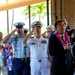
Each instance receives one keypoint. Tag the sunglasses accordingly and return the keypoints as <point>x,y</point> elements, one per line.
<point>49,31</point>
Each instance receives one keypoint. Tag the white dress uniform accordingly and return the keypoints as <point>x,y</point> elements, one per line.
<point>39,57</point>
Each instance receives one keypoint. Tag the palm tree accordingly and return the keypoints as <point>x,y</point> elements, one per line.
<point>25,12</point>
<point>36,10</point>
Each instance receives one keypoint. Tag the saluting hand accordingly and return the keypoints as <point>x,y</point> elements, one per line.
<point>27,36</point>
<point>13,31</point>
<point>44,34</point>
<point>32,30</point>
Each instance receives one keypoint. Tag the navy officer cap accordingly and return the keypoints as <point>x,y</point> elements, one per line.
<point>19,24</point>
<point>37,23</point>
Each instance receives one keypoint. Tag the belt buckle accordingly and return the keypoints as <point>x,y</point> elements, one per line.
<point>39,60</point>
<point>25,59</point>
<point>22,59</point>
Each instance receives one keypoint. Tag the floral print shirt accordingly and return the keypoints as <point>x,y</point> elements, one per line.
<point>8,55</point>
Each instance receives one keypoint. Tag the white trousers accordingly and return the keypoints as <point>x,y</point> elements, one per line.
<point>40,68</point>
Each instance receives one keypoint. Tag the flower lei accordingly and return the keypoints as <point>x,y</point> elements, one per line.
<point>7,51</point>
<point>8,55</point>
<point>66,41</point>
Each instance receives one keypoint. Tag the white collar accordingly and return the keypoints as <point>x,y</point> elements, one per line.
<point>38,38</point>
<point>60,34</point>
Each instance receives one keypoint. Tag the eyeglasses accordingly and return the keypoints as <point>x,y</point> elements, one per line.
<point>49,31</point>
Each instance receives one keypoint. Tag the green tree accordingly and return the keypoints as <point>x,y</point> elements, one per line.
<point>25,12</point>
<point>36,10</point>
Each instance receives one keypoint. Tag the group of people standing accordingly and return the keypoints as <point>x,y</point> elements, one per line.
<point>42,54</point>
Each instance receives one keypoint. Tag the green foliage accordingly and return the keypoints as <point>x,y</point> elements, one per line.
<point>25,12</point>
<point>36,10</point>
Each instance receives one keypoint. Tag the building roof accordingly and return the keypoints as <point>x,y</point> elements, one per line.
<point>10,4</point>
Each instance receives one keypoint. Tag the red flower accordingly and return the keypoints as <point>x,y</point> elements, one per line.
<point>66,41</point>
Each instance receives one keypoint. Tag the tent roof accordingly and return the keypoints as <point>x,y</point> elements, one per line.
<point>10,4</point>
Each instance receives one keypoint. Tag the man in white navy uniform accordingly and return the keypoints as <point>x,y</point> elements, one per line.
<point>21,65</point>
<point>38,49</point>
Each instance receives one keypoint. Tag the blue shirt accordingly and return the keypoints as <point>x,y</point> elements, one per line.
<point>18,46</point>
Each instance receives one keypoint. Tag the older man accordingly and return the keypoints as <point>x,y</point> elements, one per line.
<point>38,49</point>
<point>49,29</point>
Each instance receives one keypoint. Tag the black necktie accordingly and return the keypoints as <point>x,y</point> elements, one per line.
<point>62,37</point>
